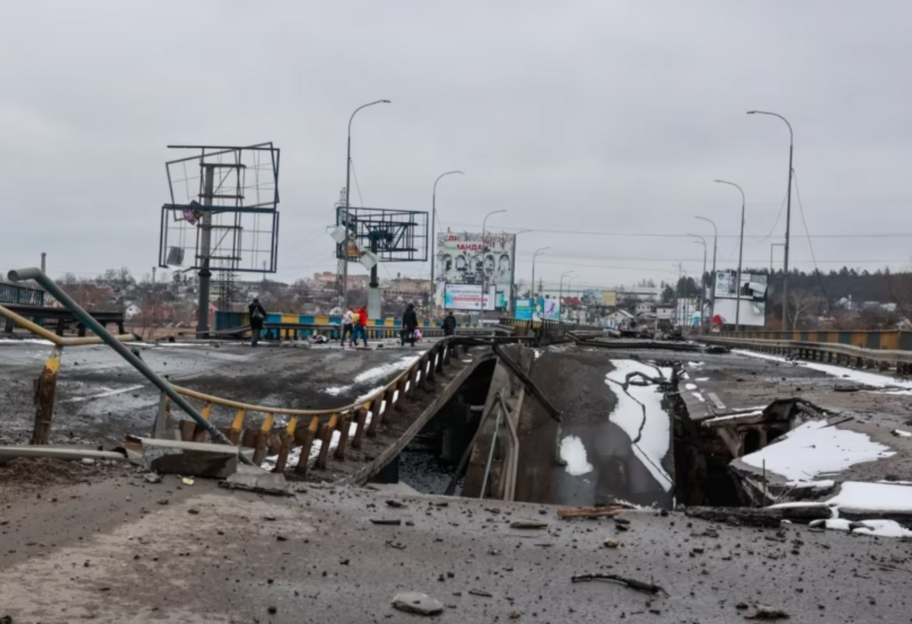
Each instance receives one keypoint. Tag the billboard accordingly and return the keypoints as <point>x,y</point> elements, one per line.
<point>523,309</point>
<point>466,297</point>
<point>609,298</point>
<point>551,309</point>
<point>753,298</point>
<point>463,258</point>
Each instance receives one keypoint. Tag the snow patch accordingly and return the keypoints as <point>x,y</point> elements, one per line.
<point>26,341</point>
<point>698,397</point>
<point>108,392</point>
<point>690,386</point>
<point>878,528</point>
<point>880,497</point>
<point>374,374</point>
<point>860,377</point>
<point>640,414</point>
<point>814,448</point>
<point>902,434</point>
<point>573,453</point>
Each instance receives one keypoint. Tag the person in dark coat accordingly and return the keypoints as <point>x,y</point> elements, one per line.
<point>257,316</point>
<point>449,324</point>
<point>409,323</point>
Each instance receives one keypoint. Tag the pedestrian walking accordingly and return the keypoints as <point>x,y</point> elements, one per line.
<point>257,315</point>
<point>449,324</point>
<point>348,325</point>
<point>409,323</point>
<point>360,326</point>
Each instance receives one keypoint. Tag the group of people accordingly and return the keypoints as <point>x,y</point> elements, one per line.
<point>353,326</point>
<point>354,323</point>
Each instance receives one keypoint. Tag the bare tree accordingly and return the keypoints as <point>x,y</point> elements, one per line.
<point>802,306</point>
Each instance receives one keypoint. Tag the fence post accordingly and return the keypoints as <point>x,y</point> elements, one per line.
<point>344,430</point>
<point>326,435</point>
<point>259,449</point>
<point>361,420</point>
<point>307,440</point>
<point>287,442</point>
<point>45,389</point>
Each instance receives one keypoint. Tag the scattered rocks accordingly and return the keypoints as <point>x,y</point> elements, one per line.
<point>386,521</point>
<point>88,461</point>
<point>396,504</point>
<point>481,592</point>
<point>528,524</point>
<point>152,478</point>
<point>610,543</point>
<point>416,602</point>
<point>763,612</point>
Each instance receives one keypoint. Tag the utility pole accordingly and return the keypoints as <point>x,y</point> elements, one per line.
<point>202,323</point>
<point>434,237</point>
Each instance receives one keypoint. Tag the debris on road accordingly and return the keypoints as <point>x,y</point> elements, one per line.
<point>762,612</point>
<point>528,524</point>
<point>634,584</point>
<point>768,517</point>
<point>152,478</point>
<point>395,503</point>
<point>589,512</point>
<point>256,480</point>
<point>386,521</point>
<point>481,592</point>
<point>416,602</point>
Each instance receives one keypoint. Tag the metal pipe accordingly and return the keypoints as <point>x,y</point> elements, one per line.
<point>740,258</point>
<point>487,472</point>
<point>87,320</point>
<point>788,214</point>
<point>434,236</point>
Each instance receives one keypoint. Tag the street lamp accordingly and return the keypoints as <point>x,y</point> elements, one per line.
<point>712,282</point>
<point>740,257</point>
<point>771,259</point>
<point>348,160</point>
<point>434,235</point>
<point>788,214</point>
<point>510,305</point>
<point>537,253</point>
<point>702,241</point>
<point>484,258</point>
<point>560,295</point>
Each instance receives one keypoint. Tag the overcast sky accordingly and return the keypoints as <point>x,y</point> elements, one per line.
<point>606,119</point>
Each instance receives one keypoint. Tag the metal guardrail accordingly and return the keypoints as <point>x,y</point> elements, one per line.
<point>837,353</point>
<point>14,293</point>
<point>322,425</point>
<point>872,339</point>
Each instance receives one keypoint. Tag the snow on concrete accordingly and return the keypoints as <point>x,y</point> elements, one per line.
<point>696,364</point>
<point>824,484</point>
<point>878,528</point>
<point>736,416</point>
<point>372,374</point>
<point>814,448</point>
<point>877,497</point>
<point>13,341</point>
<point>860,377</point>
<point>106,392</point>
<point>573,453</point>
<point>640,414</point>
<point>690,386</point>
<point>902,434</point>
<point>698,396</point>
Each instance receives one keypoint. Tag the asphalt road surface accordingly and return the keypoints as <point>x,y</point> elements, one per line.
<point>117,549</point>
<point>101,397</point>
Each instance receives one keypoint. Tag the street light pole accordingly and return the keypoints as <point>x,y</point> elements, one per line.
<point>510,305</point>
<point>788,214</point>
<point>771,257</point>
<point>348,160</point>
<point>434,236</point>
<point>484,258</point>
<point>537,253</point>
<point>702,241</point>
<point>740,257</point>
<point>712,281</point>
<point>560,296</point>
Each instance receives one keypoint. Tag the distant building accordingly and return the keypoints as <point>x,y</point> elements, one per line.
<point>619,319</point>
<point>644,307</point>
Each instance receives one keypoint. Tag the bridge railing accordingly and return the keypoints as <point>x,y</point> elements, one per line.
<point>837,353</point>
<point>877,339</point>
<point>351,422</point>
<point>16,293</point>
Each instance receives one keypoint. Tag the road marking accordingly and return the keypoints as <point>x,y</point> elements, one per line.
<point>715,399</point>
<point>102,394</point>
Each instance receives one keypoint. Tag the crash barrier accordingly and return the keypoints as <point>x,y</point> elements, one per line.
<point>300,429</point>
<point>300,326</point>
<point>353,421</point>
<point>60,318</point>
<point>16,293</point>
<point>880,339</point>
<point>835,353</point>
<point>45,387</point>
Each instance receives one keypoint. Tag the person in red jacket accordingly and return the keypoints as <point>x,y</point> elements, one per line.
<point>360,326</point>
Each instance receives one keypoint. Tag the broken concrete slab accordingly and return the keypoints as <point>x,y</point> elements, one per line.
<point>198,459</point>
<point>416,602</point>
<point>253,479</point>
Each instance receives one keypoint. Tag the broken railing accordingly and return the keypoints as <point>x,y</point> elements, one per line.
<point>45,386</point>
<point>363,417</point>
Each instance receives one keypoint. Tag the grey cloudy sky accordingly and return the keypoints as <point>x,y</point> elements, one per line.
<point>596,117</point>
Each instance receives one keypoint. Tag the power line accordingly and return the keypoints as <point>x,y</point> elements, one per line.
<point>674,235</point>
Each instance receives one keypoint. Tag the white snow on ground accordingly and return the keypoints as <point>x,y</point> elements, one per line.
<point>690,386</point>
<point>861,377</point>
<point>813,448</point>
<point>640,414</point>
<point>702,379</point>
<point>748,414</point>
<point>107,392</point>
<point>377,372</point>
<point>573,453</point>
<point>874,496</point>
<point>696,364</point>
<point>699,397</point>
<point>12,341</point>
<point>825,484</point>
<point>902,434</point>
<point>879,528</point>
